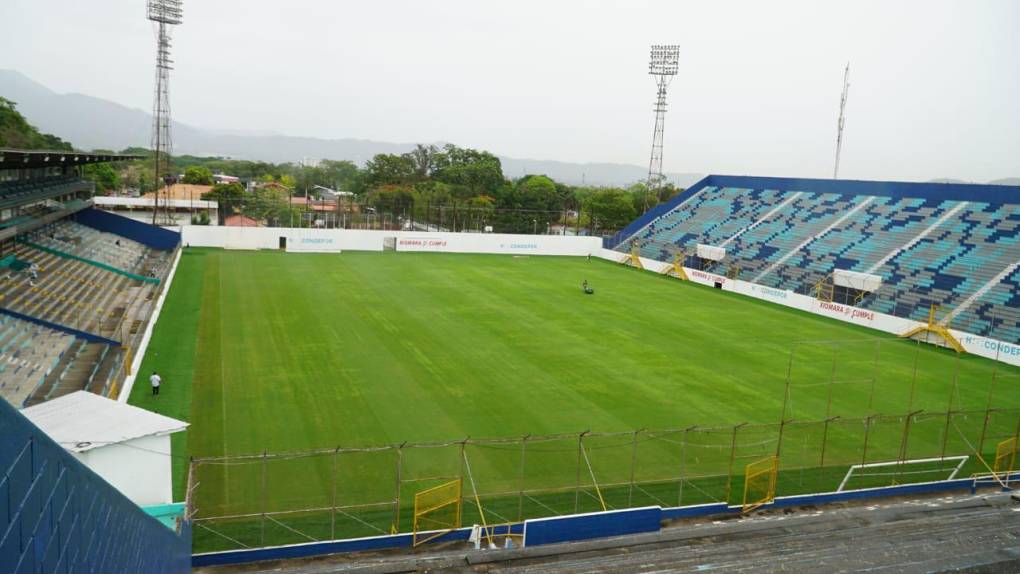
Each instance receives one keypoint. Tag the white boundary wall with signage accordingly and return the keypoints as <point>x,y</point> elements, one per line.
<point>335,240</point>
<point>981,346</point>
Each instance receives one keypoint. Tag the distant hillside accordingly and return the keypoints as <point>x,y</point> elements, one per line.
<point>1006,181</point>
<point>16,132</point>
<point>94,123</point>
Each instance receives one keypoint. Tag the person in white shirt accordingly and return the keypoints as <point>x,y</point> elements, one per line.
<point>155,380</point>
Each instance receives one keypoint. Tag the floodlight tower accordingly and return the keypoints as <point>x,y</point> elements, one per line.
<point>163,13</point>
<point>663,64</point>
<point>842,119</point>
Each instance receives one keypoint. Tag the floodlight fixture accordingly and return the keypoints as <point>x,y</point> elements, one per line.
<point>165,11</point>
<point>664,60</point>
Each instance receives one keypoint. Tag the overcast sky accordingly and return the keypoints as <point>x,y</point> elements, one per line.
<point>935,85</point>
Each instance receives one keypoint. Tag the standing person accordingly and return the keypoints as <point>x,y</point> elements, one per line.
<point>155,380</point>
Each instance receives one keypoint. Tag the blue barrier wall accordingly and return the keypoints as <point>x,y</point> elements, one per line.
<point>56,515</point>
<point>150,235</point>
<point>90,337</point>
<point>594,525</point>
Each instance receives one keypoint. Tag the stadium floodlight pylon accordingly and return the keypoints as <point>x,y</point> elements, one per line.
<point>164,14</point>
<point>634,257</point>
<point>937,329</point>
<point>663,63</point>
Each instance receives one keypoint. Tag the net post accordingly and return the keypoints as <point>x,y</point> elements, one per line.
<point>633,463</point>
<point>332,509</point>
<point>189,493</point>
<point>400,470</point>
<point>520,488</point>
<point>867,433</point>
<point>577,481</point>
<point>733,454</point>
<point>262,522</point>
<point>984,429</point>
<point>904,439</point>
<point>874,376</point>
<point>789,375</point>
<point>463,457</point>
<point>832,378</point>
<point>683,466</point>
<point>913,378</point>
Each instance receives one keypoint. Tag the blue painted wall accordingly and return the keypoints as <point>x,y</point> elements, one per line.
<point>56,515</point>
<point>150,235</point>
<point>90,337</point>
<point>588,526</point>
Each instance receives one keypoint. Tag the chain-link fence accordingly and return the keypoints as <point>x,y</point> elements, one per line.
<point>279,498</point>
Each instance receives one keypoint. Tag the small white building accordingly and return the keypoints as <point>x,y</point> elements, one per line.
<point>126,445</point>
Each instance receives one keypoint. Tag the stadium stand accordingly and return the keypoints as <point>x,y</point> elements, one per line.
<point>74,294</point>
<point>952,245</point>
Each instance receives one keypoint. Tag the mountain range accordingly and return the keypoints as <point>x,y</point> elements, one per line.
<point>94,123</point>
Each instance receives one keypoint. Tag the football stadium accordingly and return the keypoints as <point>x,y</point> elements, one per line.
<point>420,362</point>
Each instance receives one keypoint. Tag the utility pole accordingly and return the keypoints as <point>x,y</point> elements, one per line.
<point>842,119</point>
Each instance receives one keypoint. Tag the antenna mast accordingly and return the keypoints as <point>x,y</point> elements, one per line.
<point>842,119</point>
<point>164,13</point>
<point>662,63</point>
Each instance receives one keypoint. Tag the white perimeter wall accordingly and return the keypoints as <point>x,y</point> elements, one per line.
<point>139,468</point>
<point>325,240</point>
<point>981,346</point>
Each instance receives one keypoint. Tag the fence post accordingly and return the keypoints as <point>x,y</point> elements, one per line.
<point>633,463</point>
<point>520,492</point>
<point>396,511</point>
<point>913,379</point>
<point>867,433</point>
<point>460,502</point>
<point>903,444</point>
<point>832,378</point>
<point>984,429</point>
<point>733,454</point>
<point>577,482</point>
<point>332,510</point>
<point>874,376</point>
<point>825,440</point>
<point>683,465</point>
<point>262,529</point>
<point>786,391</point>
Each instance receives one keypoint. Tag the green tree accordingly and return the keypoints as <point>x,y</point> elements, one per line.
<point>611,208</point>
<point>468,172</point>
<point>198,175</point>
<point>389,169</point>
<point>229,196</point>
<point>103,175</point>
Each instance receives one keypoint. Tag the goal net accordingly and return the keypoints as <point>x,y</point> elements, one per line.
<point>891,473</point>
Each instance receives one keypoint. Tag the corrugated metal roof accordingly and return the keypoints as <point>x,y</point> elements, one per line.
<point>82,421</point>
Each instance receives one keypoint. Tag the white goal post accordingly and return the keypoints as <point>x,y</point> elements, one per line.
<point>953,471</point>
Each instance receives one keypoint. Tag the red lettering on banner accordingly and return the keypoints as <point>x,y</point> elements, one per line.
<point>708,277</point>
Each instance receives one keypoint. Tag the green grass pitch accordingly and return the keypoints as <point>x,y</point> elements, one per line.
<point>273,352</point>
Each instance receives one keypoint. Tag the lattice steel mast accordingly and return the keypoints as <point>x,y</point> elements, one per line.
<point>663,63</point>
<point>842,119</point>
<point>164,13</point>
